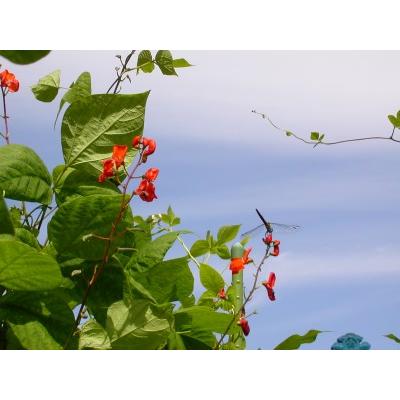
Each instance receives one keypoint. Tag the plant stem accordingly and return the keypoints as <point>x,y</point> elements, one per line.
<point>124,70</point>
<point>5,116</point>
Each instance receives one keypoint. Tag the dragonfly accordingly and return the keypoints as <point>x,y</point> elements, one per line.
<point>270,227</point>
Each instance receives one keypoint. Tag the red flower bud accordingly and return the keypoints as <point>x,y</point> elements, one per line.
<point>244,325</point>
<point>222,294</point>
<point>246,259</point>
<point>146,191</point>
<point>7,79</point>
<point>151,174</point>
<point>119,153</point>
<point>136,141</point>
<point>150,146</point>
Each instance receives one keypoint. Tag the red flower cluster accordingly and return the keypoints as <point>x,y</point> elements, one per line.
<point>7,79</point>
<point>275,251</point>
<point>237,264</point>
<point>244,324</point>
<point>269,285</point>
<point>148,146</point>
<point>111,165</point>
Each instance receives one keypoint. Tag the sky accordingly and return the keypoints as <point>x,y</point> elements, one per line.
<point>218,161</point>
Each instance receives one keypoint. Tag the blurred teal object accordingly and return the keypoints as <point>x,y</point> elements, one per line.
<point>350,341</point>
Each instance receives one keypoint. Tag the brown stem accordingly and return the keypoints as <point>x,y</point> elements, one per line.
<point>106,253</point>
<point>5,116</point>
<point>120,75</point>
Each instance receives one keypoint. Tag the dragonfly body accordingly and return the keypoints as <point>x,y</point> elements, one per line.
<point>270,226</point>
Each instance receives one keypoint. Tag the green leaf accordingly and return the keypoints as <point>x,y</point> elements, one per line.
<point>223,252</point>
<point>211,279</point>
<point>6,225</point>
<point>78,225</point>
<point>165,62</point>
<point>47,88</point>
<point>199,248</point>
<point>93,125</point>
<point>24,268</point>
<point>198,339</point>
<point>93,336</point>
<point>314,135</point>
<point>394,121</point>
<point>203,318</point>
<point>151,253</point>
<point>295,341</point>
<point>227,233</point>
<point>79,89</point>
<point>76,184</point>
<point>27,237</point>
<point>393,337</point>
<point>289,133</point>
<point>398,115</point>
<point>24,56</point>
<point>321,137</point>
<point>23,176</point>
<point>145,62</point>
<point>40,321</point>
<point>168,281</point>
<point>181,63</point>
<point>142,326</point>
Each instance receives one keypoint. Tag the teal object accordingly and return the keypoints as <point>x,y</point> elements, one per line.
<point>350,341</point>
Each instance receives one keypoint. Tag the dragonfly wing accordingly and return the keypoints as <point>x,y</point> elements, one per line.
<point>285,227</point>
<point>253,231</point>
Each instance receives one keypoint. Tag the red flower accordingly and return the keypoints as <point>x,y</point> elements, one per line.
<point>151,174</point>
<point>146,190</point>
<point>7,79</point>
<point>244,325</point>
<point>222,294</point>
<point>108,169</point>
<point>150,146</point>
<point>118,155</point>
<point>275,252</point>
<point>268,239</point>
<point>237,264</point>
<point>269,285</point>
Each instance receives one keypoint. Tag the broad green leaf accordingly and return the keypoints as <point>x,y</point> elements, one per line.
<point>141,325</point>
<point>27,237</point>
<point>24,268</point>
<point>394,121</point>
<point>393,337</point>
<point>223,252</point>
<point>152,253</point>
<point>6,225</point>
<point>165,62</point>
<point>40,321</point>
<point>203,318</point>
<point>24,56</point>
<point>227,233</point>
<point>78,226</point>
<point>75,184</point>
<point>398,115</point>
<point>314,135</point>
<point>199,248</point>
<point>93,336</point>
<point>47,88</point>
<point>175,342</point>
<point>295,341</point>
<point>211,279</point>
<point>207,299</point>
<point>145,62</point>
<point>198,339</point>
<point>181,63</point>
<point>79,89</point>
<point>168,281</point>
<point>93,125</point>
<point>23,176</point>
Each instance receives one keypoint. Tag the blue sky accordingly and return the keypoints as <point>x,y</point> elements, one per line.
<point>218,161</point>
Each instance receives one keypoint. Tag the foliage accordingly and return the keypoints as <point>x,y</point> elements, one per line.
<point>295,341</point>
